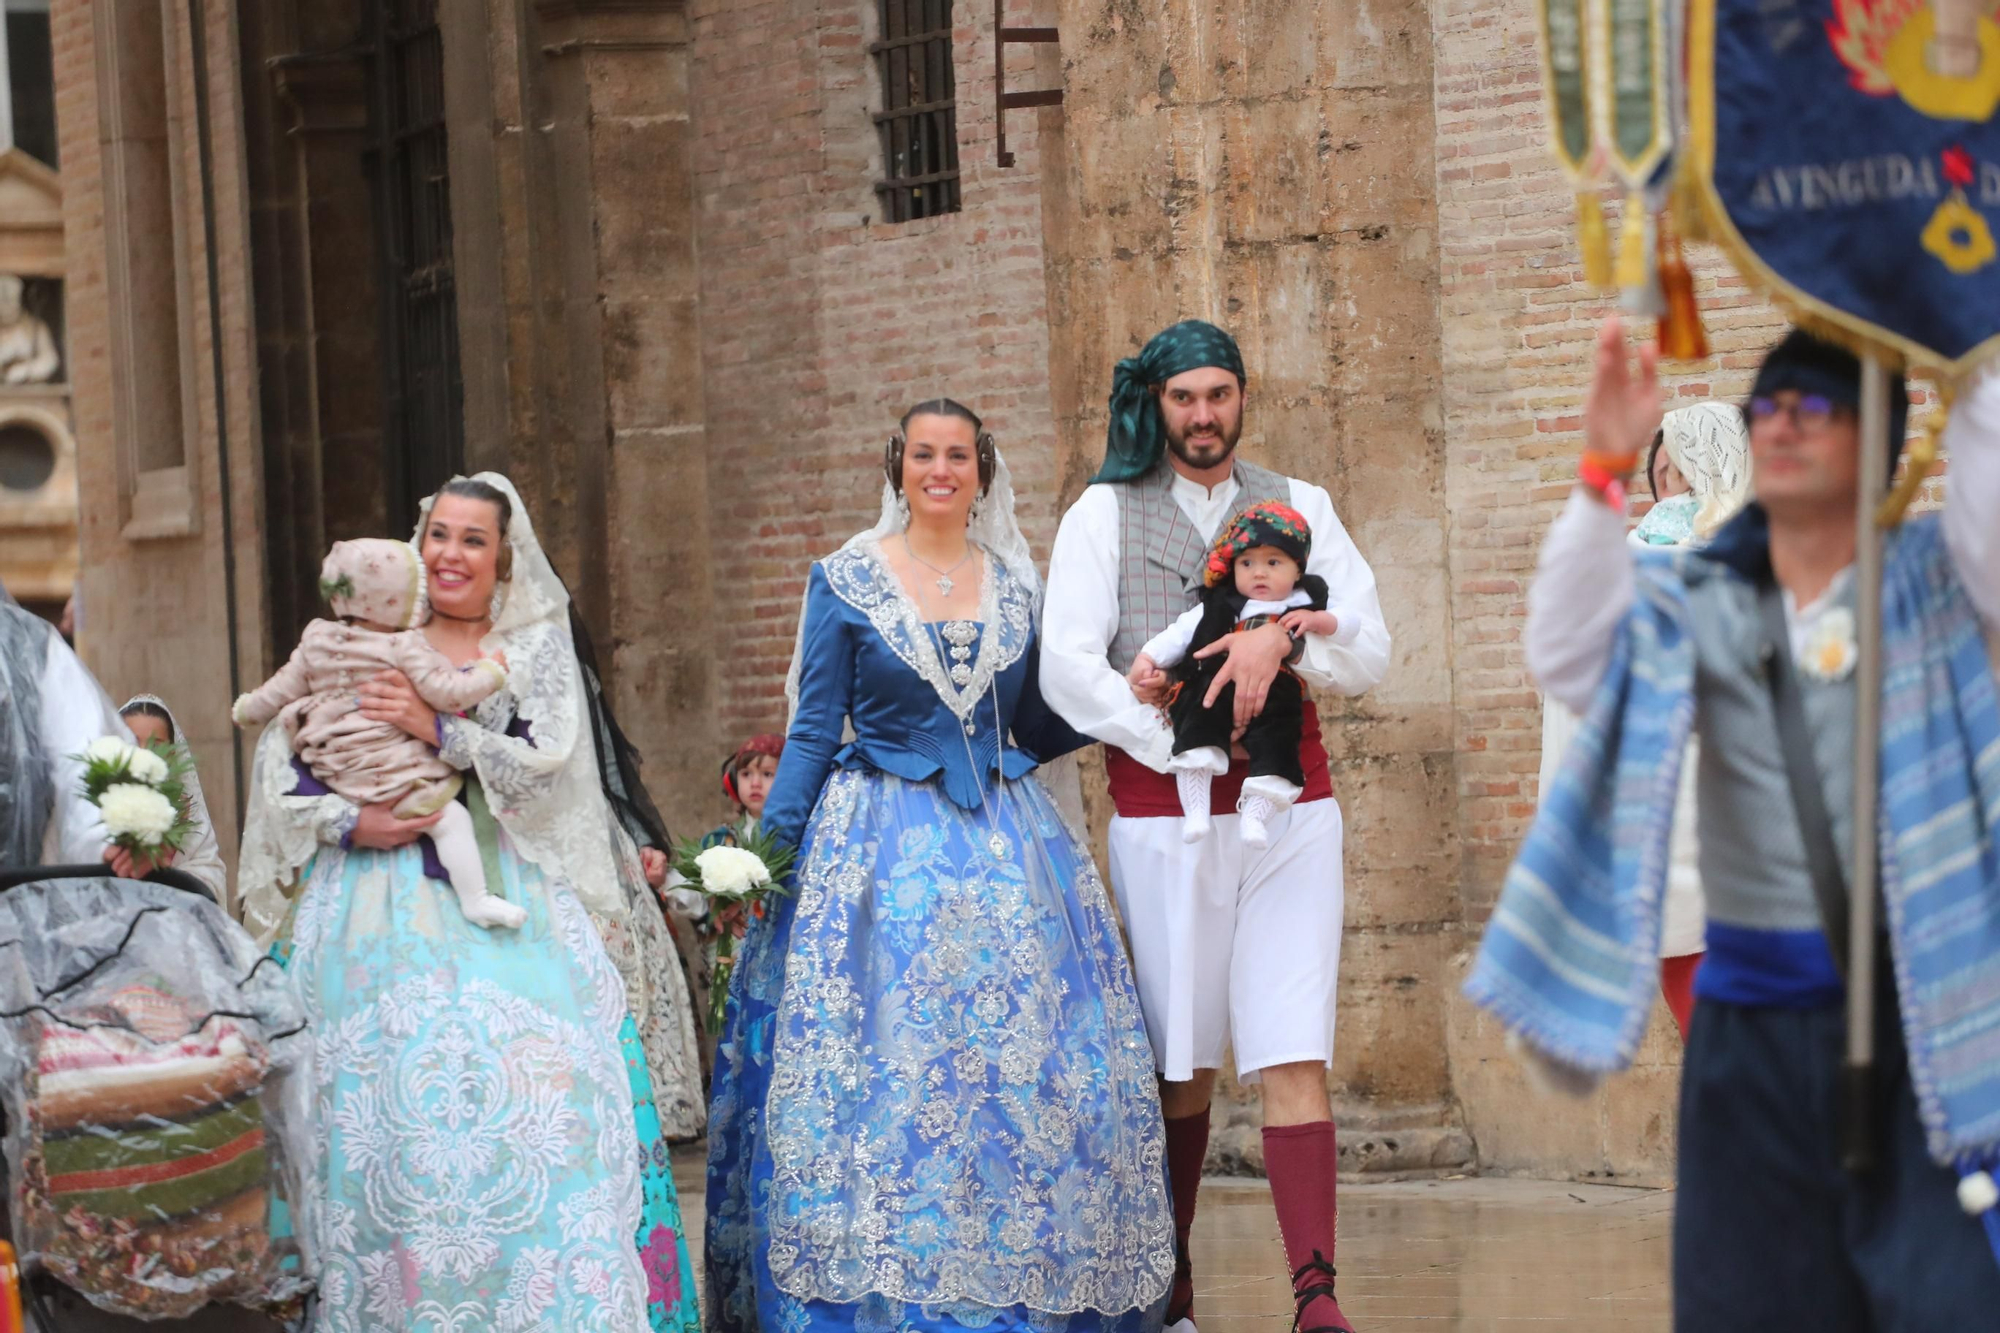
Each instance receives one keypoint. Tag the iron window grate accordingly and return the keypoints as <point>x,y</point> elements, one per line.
<point>918,122</point>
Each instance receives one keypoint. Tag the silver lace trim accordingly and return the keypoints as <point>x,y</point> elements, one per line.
<point>861,577</point>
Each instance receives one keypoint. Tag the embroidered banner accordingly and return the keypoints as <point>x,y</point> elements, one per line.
<point>1608,89</point>
<point>1637,71</point>
<point>1850,162</point>
<point>1565,59</point>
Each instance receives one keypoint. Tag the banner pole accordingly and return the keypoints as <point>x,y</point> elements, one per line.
<point>1859,1137</point>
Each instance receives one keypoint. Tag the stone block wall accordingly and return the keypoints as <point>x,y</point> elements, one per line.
<point>1269,167</point>
<point>621,161</point>
<point>155,605</point>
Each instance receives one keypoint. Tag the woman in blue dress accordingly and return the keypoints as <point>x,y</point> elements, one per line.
<point>488,1149</point>
<point>934,1105</point>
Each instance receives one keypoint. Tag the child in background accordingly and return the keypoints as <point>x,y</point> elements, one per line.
<point>152,723</point>
<point>746,780</point>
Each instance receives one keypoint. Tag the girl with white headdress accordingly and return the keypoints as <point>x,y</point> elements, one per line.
<point>152,721</point>
<point>489,1151</point>
<point>1708,446</point>
<point>934,1099</point>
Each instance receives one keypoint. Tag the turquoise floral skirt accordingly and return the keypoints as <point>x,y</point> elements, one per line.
<point>487,1154</point>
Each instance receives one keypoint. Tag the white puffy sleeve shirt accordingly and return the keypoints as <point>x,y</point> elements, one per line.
<point>75,712</point>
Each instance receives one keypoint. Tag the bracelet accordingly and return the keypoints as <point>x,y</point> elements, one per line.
<point>1604,481</point>
<point>1618,465</point>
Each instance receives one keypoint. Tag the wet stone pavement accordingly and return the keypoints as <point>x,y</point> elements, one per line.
<point>1451,1256</point>
<point>1438,1256</point>
<point>1442,1256</point>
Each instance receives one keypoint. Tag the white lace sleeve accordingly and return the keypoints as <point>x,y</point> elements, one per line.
<point>517,770</point>
<point>282,832</point>
<point>544,787</point>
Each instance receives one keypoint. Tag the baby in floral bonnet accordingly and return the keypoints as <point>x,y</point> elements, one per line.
<point>379,591</point>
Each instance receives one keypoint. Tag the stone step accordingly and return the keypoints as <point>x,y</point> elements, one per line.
<point>1377,1152</point>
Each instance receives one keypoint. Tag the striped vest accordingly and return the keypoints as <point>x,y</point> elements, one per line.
<point>1160,554</point>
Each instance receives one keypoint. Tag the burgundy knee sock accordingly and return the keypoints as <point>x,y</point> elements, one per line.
<point>1187,1150</point>
<point>1303,1163</point>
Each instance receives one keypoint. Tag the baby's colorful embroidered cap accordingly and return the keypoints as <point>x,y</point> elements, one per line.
<point>1266,524</point>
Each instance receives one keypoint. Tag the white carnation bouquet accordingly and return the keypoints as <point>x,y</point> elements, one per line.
<point>744,874</point>
<point>140,792</point>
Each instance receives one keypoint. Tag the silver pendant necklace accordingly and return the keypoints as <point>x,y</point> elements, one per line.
<point>944,582</point>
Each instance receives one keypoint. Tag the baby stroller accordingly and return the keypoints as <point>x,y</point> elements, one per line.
<point>152,1066</point>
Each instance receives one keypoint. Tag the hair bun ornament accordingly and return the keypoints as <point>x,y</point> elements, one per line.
<point>892,462</point>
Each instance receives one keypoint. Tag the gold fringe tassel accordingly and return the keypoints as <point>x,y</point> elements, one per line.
<point>1681,335</point>
<point>1632,272</point>
<point>1685,202</point>
<point>1593,239</point>
<point>1918,460</point>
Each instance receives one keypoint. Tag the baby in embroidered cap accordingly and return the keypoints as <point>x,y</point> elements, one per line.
<point>1255,574</point>
<point>378,589</point>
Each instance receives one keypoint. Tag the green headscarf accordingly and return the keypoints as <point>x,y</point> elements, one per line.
<point>1136,439</point>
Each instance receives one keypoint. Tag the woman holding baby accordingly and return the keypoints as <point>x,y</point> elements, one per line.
<point>490,1149</point>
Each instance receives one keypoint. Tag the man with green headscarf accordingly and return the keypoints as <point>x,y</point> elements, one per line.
<point>1232,947</point>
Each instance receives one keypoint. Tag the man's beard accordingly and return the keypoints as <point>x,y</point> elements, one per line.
<point>1214,449</point>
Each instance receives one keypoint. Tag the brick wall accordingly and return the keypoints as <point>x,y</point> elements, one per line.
<point>1517,325</point>
<point>1518,322</point>
<point>820,324</point>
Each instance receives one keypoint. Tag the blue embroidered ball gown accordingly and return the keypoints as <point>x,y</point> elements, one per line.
<point>934,1100</point>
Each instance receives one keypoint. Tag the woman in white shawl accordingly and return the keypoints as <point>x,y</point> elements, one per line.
<point>489,1153</point>
<point>152,721</point>
<point>1710,447</point>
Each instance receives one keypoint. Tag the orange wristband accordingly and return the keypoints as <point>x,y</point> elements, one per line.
<point>1618,465</point>
<point>1603,481</point>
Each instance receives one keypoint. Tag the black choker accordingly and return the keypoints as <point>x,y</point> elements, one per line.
<point>463,620</point>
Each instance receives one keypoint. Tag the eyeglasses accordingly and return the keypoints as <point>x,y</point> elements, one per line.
<point>1811,412</point>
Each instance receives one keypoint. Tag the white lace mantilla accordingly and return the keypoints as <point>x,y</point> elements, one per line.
<point>545,792</point>
<point>861,577</point>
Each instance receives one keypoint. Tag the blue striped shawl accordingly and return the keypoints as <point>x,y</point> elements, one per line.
<point>1569,958</point>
